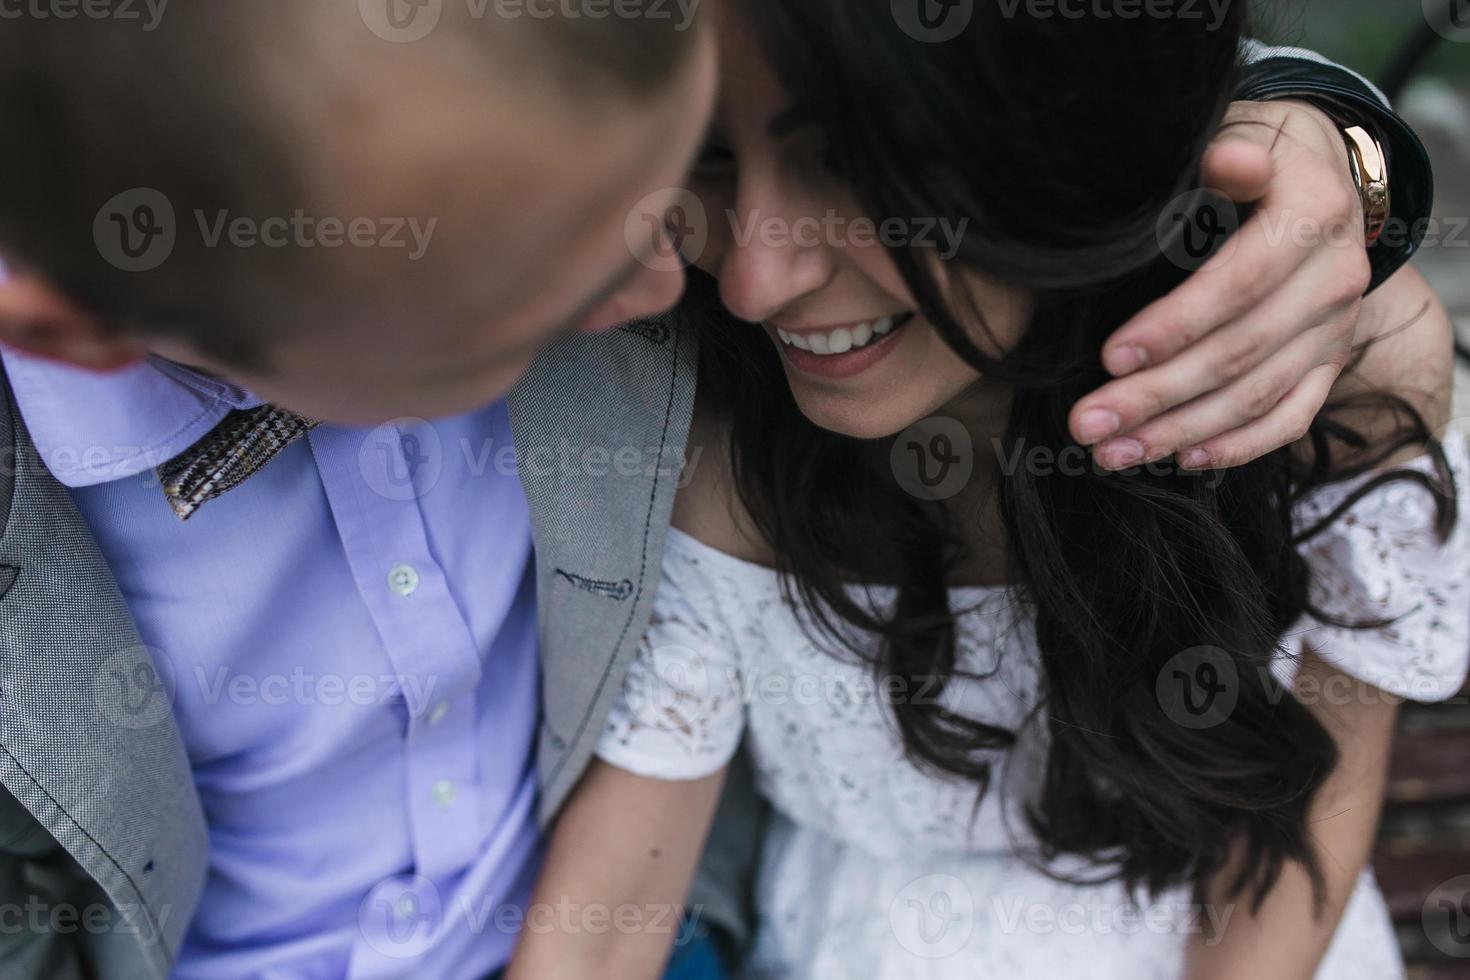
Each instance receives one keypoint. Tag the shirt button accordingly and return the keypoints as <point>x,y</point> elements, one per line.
<point>438,712</point>
<point>403,579</point>
<point>443,793</point>
<point>406,907</point>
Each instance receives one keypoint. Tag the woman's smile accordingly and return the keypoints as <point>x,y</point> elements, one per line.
<point>840,351</point>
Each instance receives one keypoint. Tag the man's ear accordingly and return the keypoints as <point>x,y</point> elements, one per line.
<point>38,320</point>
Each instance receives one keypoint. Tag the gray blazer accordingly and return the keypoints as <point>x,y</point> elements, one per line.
<point>103,849</point>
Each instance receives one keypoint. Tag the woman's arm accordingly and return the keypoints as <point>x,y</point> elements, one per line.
<point>610,898</point>
<point>626,847</point>
<point>1283,940</point>
<point>1412,357</point>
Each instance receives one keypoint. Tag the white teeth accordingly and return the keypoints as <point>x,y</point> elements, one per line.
<point>840,340</point>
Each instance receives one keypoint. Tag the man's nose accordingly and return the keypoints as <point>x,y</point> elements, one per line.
<point>651,292</point>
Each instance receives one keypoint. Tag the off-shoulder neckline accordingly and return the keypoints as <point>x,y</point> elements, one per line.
<point>1456,446</point>
<point>693,547</point>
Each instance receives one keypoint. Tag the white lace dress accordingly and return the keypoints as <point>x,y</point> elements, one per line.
<point>876,870</point>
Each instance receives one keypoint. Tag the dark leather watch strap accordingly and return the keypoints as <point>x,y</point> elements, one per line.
<point>1347,99</point>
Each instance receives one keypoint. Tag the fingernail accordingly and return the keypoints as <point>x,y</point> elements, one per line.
<point>1097,424</point>
<point>1194,459</point>
<point>1125,359</point>
<point>1121,453</point>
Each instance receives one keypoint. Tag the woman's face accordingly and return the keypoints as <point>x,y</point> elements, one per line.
<point>793,253</point>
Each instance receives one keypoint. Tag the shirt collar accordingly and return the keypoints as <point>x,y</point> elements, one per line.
<point>92,428</point>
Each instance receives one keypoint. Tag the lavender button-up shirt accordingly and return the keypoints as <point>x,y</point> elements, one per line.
<point>350,639</point>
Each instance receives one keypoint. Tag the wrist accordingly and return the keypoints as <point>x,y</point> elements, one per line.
<point>1276,75</point>
<point>1361,150</point>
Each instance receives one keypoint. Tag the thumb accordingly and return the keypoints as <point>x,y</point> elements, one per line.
<point>1239,168</point>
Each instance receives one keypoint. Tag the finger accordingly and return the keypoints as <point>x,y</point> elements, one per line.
<point>1283,426</point>
<point>1224,356</point>
<point>1238,167</point>
<point>1253,265</point>
<point>1308,199</point>
<point>1237,405</point>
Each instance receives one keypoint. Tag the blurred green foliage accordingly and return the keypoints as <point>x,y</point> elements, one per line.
<point>1361,33</point>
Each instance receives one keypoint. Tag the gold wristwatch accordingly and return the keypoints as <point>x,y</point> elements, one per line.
<point>1370,171</point>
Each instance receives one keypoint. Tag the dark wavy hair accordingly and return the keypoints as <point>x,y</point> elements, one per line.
<point>1061,140</point>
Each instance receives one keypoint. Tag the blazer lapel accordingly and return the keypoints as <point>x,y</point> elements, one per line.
<point>88,741</point>
<point>600,425</point>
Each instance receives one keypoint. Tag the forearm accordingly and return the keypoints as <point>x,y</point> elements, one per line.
<point>609,899</point>
<point>1287,937</point>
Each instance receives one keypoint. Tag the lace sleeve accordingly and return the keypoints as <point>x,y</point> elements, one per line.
<point>680,715</point>
<point>1382,560</point>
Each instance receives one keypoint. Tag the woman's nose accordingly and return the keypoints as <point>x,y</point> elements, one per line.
<point>772,255</point>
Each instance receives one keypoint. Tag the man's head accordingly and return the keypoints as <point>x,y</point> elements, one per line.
<point>353,227</point>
